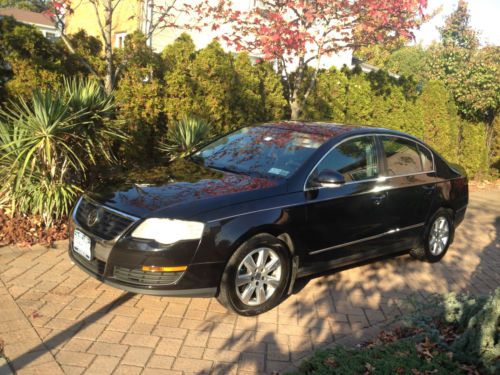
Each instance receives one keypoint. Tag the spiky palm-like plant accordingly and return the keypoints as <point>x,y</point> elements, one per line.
<point>47,145</point>
<point>185,136</point>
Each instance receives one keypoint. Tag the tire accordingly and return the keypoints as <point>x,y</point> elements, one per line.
<point>261,288</point>
<point>437,237</point>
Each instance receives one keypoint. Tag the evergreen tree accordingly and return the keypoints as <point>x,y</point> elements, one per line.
<point>180,84</point>
<point>272,95</point>
<point>359,99</point>
<point>139,96</point>
<point>248,107</point>
<point>440,129</point>
<point>215,76</point>
<point>328,100</point>
<point>473,154</point>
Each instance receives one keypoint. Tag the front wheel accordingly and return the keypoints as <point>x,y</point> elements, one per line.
<point>437,238</point>
<point>256,276</point>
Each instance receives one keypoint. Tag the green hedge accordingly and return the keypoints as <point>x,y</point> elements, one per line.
<point>230,90</point>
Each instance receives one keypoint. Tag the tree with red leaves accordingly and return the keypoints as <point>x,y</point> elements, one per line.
<point>161,17</point>
<point>297,34</point>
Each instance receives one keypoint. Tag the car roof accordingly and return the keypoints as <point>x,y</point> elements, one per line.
<point>333,130</point>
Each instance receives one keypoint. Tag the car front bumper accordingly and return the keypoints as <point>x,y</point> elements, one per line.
<point>119,263</point>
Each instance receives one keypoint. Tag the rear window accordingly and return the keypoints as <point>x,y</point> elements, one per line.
<point>405,157</point>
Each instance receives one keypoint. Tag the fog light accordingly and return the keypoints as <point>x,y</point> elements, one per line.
<point>164,269</point>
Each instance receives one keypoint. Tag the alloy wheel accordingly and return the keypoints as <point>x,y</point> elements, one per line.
<point>258,276</point>
<point>439,235</point>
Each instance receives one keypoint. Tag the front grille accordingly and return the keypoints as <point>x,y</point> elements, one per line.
<point>139,277</point>
<point>108,226</point>
<point>94,265</point>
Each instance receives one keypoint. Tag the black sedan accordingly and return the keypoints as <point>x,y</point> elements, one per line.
<point>249,213</point>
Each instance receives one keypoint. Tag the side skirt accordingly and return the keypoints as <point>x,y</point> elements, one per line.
<point>357,258</point>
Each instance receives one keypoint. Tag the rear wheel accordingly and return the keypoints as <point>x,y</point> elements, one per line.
<point>437,237</point>
<point>256,276</point>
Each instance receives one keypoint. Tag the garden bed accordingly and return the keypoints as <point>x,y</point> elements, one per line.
<point>29,230</point>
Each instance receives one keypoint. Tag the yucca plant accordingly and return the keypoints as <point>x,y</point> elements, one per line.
<point>47,145</point>
<point>36,154</point>
<point>96,129</point>
<point>185,136</point>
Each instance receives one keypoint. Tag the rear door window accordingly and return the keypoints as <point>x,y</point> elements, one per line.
<point>403,156</point>
<point>426,157</point>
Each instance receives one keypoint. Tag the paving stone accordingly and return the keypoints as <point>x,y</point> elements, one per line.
<point>66,357</point>
<point>78,345</point>
<point>105,348</point>
<point>137,356</point>
<point>113,337</point>
<point>169,347</point>
<point>140,340</point>
<point>172,332</point>
<point>121,323</point>
<point>103,365</point>
<point>127,370</point>
<point>161,361</point>
<point>192,365</point>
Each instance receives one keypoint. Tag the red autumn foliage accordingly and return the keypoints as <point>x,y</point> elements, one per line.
<point>296,33</point>
<point>28,230</point>
<point>289,29</point>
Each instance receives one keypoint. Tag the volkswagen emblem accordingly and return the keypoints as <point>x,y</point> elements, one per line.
<point>93,217</point>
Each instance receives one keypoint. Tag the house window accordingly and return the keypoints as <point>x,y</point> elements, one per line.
<point>50,36</point>
<point>120,40</point>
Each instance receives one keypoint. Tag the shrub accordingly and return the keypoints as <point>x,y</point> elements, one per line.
<point>140,98</point>
<point>440,120</point>
<point>259,92</point>
<point>445,335</point>
<point>480,320</point>
<point>215,76</point>
<point>43,155</point>
<point>185,136</point>
<point>34,60</point>
<point>473,153</point>
<point>328,100</point>
<point>180,84</point>
<point>359,100</point>
<point>400,357</point>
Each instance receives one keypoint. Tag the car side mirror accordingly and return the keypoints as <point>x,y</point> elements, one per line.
<point>328,178</point>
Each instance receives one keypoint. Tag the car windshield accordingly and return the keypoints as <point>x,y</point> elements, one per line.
<point>263,151</point>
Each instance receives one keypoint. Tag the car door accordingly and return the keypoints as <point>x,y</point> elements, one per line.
<point>344,222</point>
<point>410,185</point>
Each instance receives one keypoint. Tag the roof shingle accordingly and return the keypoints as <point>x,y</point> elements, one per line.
<point>27,16</point>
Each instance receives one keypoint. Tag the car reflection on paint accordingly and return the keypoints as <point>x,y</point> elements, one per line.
<point>251,212</point>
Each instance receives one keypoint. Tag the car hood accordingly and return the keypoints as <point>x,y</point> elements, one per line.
<point>178,187</point>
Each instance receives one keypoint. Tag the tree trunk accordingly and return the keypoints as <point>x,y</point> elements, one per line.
<point>296,110</point>
<point>109,80</point>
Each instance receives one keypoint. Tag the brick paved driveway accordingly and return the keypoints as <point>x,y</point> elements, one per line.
<point>55,319</point>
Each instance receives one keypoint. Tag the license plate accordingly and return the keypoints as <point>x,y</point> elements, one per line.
<point>82,244</point>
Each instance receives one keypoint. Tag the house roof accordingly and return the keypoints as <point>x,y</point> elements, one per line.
<point>27,16</point>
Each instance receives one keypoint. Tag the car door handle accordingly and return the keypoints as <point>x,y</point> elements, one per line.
<point>378,199</point>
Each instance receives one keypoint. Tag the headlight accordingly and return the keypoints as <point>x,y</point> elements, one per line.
<point>168,231</point>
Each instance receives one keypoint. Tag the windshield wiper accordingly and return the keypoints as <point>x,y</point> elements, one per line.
<point>197,159</point>
<point>224,169</point>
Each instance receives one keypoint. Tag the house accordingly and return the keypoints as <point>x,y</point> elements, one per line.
<point>367,68</point>
<point>46,26</point>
